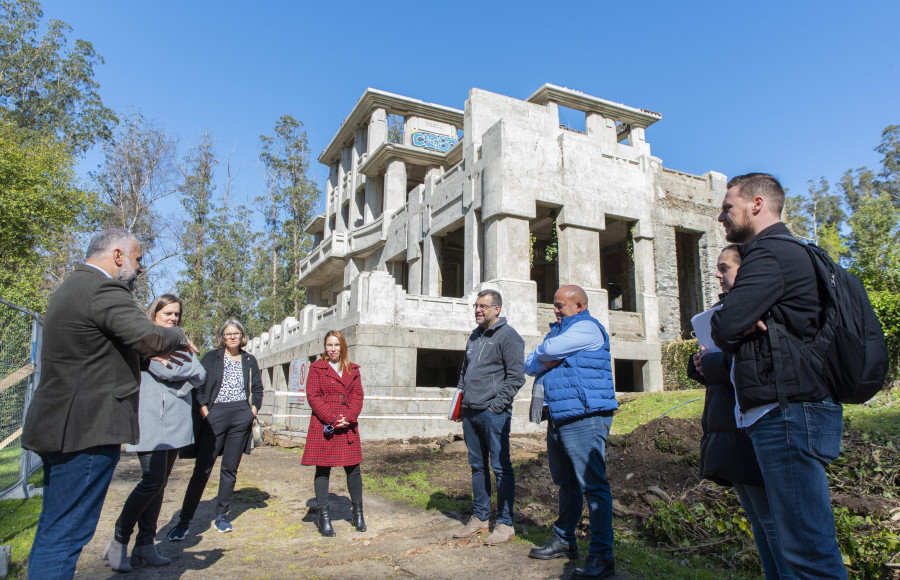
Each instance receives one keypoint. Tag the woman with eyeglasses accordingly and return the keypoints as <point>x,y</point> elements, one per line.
<point>335,395</point>
<point>164,417</point>
<point>227,401</point>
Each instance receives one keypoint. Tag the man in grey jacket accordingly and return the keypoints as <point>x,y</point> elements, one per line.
<point>491,376</point>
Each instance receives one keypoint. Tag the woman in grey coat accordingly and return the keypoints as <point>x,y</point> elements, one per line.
<point>166,426</point>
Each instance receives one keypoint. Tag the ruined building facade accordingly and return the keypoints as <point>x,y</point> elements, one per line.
<point>426,205</point>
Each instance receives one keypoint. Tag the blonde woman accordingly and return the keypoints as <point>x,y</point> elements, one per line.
<point>164,416</point>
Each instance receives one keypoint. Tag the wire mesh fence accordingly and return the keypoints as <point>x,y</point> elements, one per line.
<point>19,340</point>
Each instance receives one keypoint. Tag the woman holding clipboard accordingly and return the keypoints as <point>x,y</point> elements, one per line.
<point>727,456</point>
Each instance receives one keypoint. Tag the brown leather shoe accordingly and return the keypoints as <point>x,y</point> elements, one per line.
<point>502,533</point>
<point>475,526</point>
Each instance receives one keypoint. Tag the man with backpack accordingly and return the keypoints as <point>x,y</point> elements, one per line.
<point>768,321</point>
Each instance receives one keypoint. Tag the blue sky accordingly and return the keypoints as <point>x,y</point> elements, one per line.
<point>800,89</point>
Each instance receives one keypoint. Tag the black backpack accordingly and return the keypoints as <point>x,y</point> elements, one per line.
<point>849,351</point>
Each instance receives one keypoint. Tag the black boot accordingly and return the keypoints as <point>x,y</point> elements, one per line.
<point>324,522</point>
<point>358,521</point>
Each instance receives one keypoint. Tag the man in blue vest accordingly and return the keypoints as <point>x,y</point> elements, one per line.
<point>574,368</point>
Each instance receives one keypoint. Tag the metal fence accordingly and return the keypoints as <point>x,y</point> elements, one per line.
<point>19,344</point>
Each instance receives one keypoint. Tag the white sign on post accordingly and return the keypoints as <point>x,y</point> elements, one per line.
<point>297,381</point>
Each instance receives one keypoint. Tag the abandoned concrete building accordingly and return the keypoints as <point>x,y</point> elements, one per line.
<point>426,205</point>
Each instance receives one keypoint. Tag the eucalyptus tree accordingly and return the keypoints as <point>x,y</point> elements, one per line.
<point>287,207</point>
<point>138,171</point>
<point>46,82</point>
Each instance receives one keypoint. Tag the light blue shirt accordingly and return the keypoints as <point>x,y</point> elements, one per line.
<point>105,273</point>
<point>753,415</point>
<point>582,335</point>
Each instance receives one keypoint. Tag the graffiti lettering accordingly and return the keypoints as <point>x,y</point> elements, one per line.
<point>442,143</point>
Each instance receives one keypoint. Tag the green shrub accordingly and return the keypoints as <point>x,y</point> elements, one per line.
<point>887,308</point>
<point>866,545</point>
<point>676,359</point>
<point>712,528</point>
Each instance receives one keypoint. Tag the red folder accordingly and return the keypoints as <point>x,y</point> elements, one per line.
<point>455,413</point>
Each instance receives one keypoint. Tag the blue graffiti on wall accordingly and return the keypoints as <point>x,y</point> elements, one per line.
<point>442,143</point>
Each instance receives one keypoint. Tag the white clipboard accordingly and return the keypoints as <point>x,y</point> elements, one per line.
<point>703,329</point>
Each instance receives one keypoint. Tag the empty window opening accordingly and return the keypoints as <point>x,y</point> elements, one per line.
<point>360,199</point>
<point>438,368</point>
<point>687,260</point>
<point>395,129</point>
<point>282,377</point>
<point>451,258</point>
<point>544,257</point>
<point>623,133</point>
<point>415,176</point>
<point>628,375</point>
<point>345,214</point>
<point>572,119</point>
<point>376,200</point>
<point>617,264</point>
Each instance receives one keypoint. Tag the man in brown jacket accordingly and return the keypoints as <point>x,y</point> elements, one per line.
<point>86,404</point>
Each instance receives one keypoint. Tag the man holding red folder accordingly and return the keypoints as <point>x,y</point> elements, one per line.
<point>491,376</point>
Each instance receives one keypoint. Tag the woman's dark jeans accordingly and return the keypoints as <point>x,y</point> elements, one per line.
<point>143,505</point>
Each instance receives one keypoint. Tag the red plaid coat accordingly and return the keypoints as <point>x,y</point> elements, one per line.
<point>330,395</point>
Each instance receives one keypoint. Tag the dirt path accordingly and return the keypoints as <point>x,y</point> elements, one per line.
<point>275,537</point>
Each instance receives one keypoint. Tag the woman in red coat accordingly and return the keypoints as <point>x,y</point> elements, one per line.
<point>334,392</point>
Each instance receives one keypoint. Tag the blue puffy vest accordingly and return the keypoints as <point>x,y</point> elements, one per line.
<point>583,384</point>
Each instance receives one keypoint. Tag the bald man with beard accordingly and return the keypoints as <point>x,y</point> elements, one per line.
<point>574,367</point>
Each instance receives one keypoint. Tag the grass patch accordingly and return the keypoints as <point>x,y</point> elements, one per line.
<point>638,408</point>
<point>415,489</point>
<point>879,418</point>
<point>18,523</point>
<point>643,562</point>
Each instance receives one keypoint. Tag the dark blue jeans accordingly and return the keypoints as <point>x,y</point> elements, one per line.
<point>576,452</point>
<point>756,506</point>
<point>75,486</point>
<point>487,438</point>
<point>793,446</point>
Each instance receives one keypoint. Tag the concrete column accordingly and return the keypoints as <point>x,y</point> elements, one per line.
<point>356,212</point>
<point>374,198</point>
<point>415,275</point>
<point>431,270</point>
<point>579,264</point>
<point>340,191</point>
<point>506,241</point>
<point>394,185</point>
<point>600,128</point>
<point>647,302</point>
<point>330,197</point>
<point>377,130</point>
<point>579,257</point>
<point>472,242</point>
<point>638,141</point>
<point>314,294</point>
<point>352,269</point>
